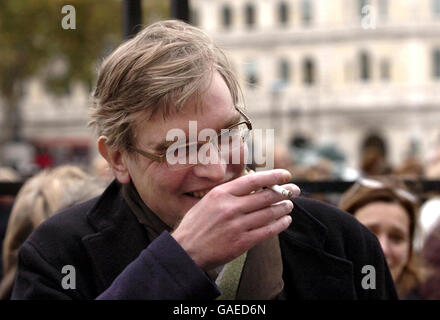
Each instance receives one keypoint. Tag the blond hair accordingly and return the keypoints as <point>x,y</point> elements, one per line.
<point>37,200</point>
<point>41,197</point>
<point>9,175</point>
<point>163,67</point>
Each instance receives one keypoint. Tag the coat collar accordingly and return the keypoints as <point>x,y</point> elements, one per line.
<point>119,237</point>
<point>306,229</point>
<point>313,272</point>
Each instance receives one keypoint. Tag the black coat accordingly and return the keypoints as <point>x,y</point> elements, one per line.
<point>323,252</point>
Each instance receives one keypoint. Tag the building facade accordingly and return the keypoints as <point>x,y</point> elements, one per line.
<point>335,72</point>
<point>53,130</point>
<point>343,72</point>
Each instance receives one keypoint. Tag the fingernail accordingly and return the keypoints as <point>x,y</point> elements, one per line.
<point>289,204</point>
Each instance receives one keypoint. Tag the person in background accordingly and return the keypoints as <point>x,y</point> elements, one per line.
<point>6,202</point>
<point>100,168</point>
<point>429,217</point>
<point>40,197</point>
<point>388,209</point>
<point>430,288</point>
<point>282,158</point>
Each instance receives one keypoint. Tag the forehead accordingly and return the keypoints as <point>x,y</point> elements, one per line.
<point>386,214</point>
<point>216,111</point>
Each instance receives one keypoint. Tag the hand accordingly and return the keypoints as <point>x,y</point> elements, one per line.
<point>229,220</point>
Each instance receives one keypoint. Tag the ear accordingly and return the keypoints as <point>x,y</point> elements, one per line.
<point>115,160</point>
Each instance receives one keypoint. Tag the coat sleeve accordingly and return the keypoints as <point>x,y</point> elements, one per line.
<point>334,246</point>
<point>163,271</point>
<point>173,275</point>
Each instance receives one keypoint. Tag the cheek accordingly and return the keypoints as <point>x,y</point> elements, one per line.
<point>164,181</point>
<point>238,166</point>
<point>152,178</point>
<point>401,252</point>
<point>245,154</point>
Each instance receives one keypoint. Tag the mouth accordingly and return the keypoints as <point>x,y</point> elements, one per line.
<point>198,194</point>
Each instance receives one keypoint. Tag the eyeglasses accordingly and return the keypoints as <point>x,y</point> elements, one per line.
<point>228,141</point>
<point>375,184</point>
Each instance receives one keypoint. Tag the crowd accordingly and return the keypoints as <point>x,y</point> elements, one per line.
<point>406,222</point>
<point>383,203</point>
<point>313,163</point>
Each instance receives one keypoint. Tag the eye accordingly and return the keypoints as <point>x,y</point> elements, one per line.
<point>397,237</point>
<point>179,151</point>
<point>224,137</point>
<point>226,133</point>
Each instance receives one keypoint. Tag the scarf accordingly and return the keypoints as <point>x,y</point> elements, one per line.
<point>256,275</point>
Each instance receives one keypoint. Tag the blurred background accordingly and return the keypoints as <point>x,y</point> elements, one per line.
<point>47,72</point>
<point>350,86</point>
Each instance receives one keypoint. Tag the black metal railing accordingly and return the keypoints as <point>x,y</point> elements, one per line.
<point>419,186</point>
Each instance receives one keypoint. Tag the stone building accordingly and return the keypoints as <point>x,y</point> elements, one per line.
<point>349,73</point>
<point>354,73</point>
<point>53,129</point>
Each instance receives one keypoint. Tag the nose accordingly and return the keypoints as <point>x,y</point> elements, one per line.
<point>215,170</point>
<point>385,244</point>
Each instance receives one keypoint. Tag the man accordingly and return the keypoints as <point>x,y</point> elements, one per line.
<point>169,227</point>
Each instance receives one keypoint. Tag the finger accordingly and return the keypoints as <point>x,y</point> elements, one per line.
<point>267,215</point>
<point>253,182</point>
<point>265,198</point>
<point>270,230</point>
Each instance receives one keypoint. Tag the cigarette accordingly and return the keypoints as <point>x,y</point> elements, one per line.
<point>282,191</point>
<point>277,188</point>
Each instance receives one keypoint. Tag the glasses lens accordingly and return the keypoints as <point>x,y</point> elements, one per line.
<point>232,142</point>
<point>369,183</point>
<point>406,195</point>
<point>374,184</point>
<point>234,137</point>
<point>181,157</point>
<point>229,143</point>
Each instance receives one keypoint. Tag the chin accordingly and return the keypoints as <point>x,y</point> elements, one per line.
<point>395,274</point>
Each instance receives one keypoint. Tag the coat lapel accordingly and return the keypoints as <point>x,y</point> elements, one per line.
<point>119,237</point>
<point>313,272</point>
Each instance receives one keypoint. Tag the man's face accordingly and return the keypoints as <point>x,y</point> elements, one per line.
<point>170,194</point>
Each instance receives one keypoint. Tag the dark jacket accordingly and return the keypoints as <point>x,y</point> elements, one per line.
<point>323,252</point>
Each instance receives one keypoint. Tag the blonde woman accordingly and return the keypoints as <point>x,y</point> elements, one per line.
<point>40,197</point>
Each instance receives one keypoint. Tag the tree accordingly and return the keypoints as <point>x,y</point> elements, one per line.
<point>32,38</point>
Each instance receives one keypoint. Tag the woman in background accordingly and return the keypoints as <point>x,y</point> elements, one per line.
<point>43,195</point>
<point>390,212</point>
<point>430,289</point>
